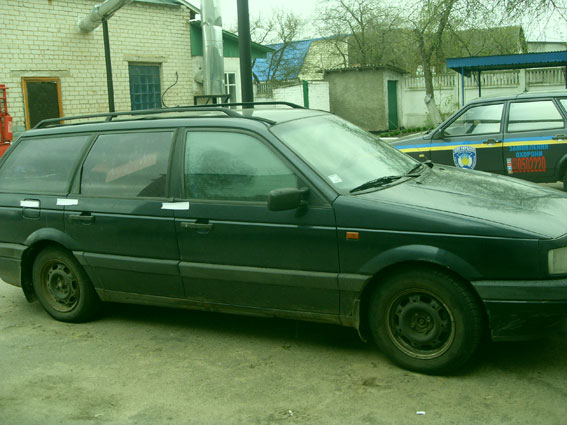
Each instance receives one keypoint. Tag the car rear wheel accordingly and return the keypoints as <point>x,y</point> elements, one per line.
<point>62,286</point>
<point>426,321</point>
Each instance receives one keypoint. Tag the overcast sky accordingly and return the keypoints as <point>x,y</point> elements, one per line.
<point>553,31</point>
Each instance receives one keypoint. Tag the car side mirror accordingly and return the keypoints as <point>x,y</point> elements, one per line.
<point>287,199</point>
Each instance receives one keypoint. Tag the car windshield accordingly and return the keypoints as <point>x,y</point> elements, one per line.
<point>342,153</point>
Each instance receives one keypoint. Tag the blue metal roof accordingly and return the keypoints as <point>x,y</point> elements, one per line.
<point>291,62</point>
<point>488,63</point>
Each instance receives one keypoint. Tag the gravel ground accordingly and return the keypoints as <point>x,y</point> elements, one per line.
<point>143,365</point>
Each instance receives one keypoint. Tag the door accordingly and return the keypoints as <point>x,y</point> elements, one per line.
<point>42,98</point>
<point>34,181</point>
<point>473,140</point>
<point>535,140</point>
<point>233,249</point>
<point>392,105</point>
<point>120,216</point>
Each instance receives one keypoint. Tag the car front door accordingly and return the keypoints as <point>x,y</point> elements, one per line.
<point>473,139</point>
<point>119,214</point>
<point>234,251</point>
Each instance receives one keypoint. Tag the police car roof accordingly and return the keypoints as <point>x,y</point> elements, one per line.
<point>524,95</point>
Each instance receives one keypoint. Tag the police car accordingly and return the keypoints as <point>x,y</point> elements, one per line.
<point>523,136</point>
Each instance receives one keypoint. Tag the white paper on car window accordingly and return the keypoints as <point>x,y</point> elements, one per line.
<point>335,178</point>
<point>175,206</point>
<point>29,204</point>
<point>67,202</point>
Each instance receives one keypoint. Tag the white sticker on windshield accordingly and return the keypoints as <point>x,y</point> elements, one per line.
<point>335,178</point>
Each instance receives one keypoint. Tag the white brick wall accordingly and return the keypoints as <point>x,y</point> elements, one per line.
<point>40,38</point>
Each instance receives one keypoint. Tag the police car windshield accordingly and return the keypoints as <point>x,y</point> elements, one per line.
<point>342,153</point>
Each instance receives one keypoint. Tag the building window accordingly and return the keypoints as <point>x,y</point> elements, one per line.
<point>230,85</point>
<point>145,86</point>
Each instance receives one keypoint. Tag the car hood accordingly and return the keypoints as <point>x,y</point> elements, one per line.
<point>414,139</point>
<point>516,207</point>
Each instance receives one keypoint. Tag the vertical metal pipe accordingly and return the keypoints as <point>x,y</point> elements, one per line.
<point>463,85</point>
<point>109,83</point>
<point>244,45</point>
<point>479,85</point>
<point>305,93</point>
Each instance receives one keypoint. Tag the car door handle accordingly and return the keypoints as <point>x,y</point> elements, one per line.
<point>196,226</point>
<point>491,141</point>
<point>83,218</point>
<point>559,137</point>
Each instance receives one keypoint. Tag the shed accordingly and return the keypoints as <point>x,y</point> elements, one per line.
<point>367,96</point>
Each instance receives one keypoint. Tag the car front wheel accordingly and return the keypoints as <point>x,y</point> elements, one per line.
<point>426,321</point>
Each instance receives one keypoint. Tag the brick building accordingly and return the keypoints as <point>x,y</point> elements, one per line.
<point>51,67</point>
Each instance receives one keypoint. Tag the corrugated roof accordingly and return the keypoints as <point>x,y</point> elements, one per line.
<point>290,64</point>
<point>489,63</point>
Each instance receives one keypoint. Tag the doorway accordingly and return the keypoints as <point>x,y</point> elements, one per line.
<point>392,105</point>
<point>42,99</point>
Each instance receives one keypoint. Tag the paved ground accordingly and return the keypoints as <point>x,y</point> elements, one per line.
<point>140,365</point>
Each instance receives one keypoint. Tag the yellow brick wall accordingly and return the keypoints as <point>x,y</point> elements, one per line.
<point>41,38</point>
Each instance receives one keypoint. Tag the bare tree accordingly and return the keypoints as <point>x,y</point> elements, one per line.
<point>358,28</point>
<point>281,30</point>
<point>424,29</point>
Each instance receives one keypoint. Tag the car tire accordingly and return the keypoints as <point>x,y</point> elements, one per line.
<point>63,288</point>
<point>426,321</point>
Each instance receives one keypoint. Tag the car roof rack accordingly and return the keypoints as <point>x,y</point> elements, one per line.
<point>221,107</point>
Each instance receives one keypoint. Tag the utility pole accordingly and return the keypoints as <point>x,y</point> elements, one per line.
<point>244,45</point>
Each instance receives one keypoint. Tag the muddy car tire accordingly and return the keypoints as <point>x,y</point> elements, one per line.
<point>426,321</point>
<point>63,288</point>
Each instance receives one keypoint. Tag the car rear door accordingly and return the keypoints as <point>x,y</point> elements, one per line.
<point>535,140</point>
<point>472,139</point>
<point>118,214</point>
<point>34,179</point>
<point>234,251</point>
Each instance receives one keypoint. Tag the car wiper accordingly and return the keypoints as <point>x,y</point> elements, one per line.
<point>381,181</point>
<point>418,166</point>
<point>376,183</point>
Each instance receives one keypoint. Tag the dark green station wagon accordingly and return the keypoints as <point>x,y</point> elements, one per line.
<point>283,212</point>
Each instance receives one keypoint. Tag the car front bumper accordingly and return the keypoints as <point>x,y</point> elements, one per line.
<point>523,309</point>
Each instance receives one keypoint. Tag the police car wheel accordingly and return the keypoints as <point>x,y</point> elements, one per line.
<point>62,286</point>
<point>426,321</point>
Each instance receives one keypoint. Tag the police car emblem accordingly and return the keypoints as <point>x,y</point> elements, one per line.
<point>464,157</point>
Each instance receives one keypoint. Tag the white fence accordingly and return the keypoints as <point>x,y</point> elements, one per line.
<point>448,90</point>
<point>318,94</point>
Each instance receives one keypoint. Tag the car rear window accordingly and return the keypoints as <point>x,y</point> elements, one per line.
<point>42,164</point>
<point>540,115</point>
<point>128,165</point>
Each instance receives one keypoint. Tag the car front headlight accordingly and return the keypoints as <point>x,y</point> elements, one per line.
<point>557,261</point>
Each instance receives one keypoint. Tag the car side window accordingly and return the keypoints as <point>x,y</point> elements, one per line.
<point>482,119</point>
<point>540,115</point>
<point>128,165</point>
<point>41,164</point>
<point>232,166</point>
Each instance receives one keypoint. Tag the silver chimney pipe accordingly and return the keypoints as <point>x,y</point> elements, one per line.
<point>104,10</point>
<point>212,47</point>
